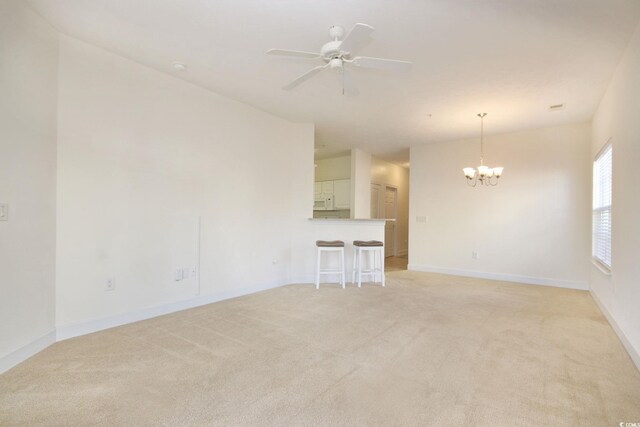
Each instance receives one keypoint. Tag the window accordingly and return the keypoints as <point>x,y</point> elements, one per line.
<point>602,208</point>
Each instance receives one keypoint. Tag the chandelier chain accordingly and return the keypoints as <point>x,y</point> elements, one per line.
<point>481,115</point>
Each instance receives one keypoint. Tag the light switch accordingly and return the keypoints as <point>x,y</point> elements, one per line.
<point>421,219</point>
<point>4,212</point>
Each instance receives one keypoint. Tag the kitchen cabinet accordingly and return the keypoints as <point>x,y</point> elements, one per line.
<point>327,187</point>
<point>342,194</point>
<point>338,191</point>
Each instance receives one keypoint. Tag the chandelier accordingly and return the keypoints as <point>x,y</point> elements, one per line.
<point>484,175</point>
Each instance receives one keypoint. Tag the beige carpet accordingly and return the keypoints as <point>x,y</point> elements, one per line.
<point>427,350</point>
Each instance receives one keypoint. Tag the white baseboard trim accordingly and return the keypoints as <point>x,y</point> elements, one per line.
<point>633,353</point>
<point>569,284</point>
<point>309,279</point>
<point>23,353</point>
<point>77,329</point>
<point>326,278</point>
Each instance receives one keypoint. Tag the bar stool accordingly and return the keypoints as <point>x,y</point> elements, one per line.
<point>373,247</point>
<point>330,246</point>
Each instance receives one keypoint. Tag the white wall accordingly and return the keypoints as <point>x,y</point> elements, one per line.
<point>533,227</point>
<point>142,158</point>
<point>333,168</point>
<point>617,118</point>
<point>383,172</point>
<point>360,184</point>
<point>28,86</point>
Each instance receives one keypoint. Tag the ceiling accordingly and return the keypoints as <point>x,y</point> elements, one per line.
<point>509,58</point>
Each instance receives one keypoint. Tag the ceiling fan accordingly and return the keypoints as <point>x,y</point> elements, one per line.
<point>339,53</point>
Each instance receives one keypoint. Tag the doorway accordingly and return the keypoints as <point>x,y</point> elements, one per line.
<point>390,212</point>
<point>384,205</point>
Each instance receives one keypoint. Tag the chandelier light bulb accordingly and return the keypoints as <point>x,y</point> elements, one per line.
<point>483,170</point>
<point>469,172</point>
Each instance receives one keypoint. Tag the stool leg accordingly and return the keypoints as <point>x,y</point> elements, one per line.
<point>372,265</point>
<point>353,272</point>
<point>343,268</point>
<point>318,269</point>
<point>359,268</point>
<point>375,266</point>
<point>382,264</point>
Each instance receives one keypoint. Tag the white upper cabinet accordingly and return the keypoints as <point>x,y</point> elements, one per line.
<point>342,194</point>
<point>327,187</point>
<point>339,191</point>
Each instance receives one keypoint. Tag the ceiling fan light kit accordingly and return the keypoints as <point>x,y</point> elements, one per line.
<point>340,52</point>
<point>484,175</point>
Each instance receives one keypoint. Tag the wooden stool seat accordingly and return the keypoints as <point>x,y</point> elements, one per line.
<point>368,243</point>
<point>330,243</point>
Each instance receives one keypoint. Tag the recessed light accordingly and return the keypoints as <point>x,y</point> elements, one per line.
<point>556,107</point>
<point>179,66</point>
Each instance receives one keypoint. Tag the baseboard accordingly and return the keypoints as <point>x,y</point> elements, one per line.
<point>77,329</point>
<point>306,279</point>
<point>326,278</point>
<point>569,284</point>
<point>23,353</point>
<point>633,353</point>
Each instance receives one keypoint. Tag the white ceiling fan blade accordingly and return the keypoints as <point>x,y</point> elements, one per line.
<point>306,76</point>
<point>296,53</point>
<point>348,83</point>
<point>357,38</point>
<point>382,64</point>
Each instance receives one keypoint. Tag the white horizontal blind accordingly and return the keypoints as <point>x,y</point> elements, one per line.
<point>602,173</point>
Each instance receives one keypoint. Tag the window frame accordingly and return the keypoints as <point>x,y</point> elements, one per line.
<point>600,263</point>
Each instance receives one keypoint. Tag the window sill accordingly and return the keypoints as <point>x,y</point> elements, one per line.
<point>603,268</point>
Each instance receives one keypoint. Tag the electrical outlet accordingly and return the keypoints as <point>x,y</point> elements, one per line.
<point>475,255</point>
<point>110,284</point>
